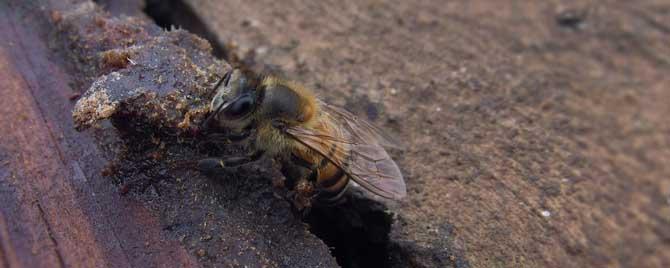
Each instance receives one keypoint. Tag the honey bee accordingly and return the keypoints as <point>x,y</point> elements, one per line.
<point>321,148</point>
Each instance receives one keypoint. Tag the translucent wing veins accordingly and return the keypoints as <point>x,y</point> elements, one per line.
<point>357,150</point>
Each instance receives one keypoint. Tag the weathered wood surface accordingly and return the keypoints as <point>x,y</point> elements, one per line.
<point>537,136</point>
<point>537,131</point>
<point>58,210</point>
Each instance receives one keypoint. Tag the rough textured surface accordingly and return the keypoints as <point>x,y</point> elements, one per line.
<point>57,210</point>
<point>163,78</point>
<point>119,194</point>
<point>537,130</point>
<point>537,133</point>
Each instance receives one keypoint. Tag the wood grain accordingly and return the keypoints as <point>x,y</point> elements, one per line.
<point>58,210</point>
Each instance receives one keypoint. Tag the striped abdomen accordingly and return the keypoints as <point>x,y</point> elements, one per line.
<point>329,179</point>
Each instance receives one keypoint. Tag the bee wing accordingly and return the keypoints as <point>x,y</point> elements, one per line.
<point>362,129</point>
<point>360,157</point>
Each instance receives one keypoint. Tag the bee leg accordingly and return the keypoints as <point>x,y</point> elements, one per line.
<point>216,136</point>
<point>211,165</point>
<point>237,161</point>
<point>305,212</point>
<point>301,197</point>
<point>299,205</point>
<point>203,146</point>
<point>300,177</point>
<point>291,198</point>
<point>237,137</point>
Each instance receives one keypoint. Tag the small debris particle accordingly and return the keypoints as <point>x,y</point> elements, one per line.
<point>262,50</point>
<point>206,238</point>
<point>394,91</point>
<point>201,253</point>
<point>100,22</point>
<point>115,59</point>
<point>250,23</point>
<point>571,19</point>
<point>124,189</point>
<point>545,213</point>
<point>56,16</point>
<point>110,170</point>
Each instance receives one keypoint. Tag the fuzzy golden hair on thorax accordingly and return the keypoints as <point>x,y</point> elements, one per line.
<point>308,105</point>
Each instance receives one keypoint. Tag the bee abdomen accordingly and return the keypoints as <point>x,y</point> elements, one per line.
<point>332,183</point>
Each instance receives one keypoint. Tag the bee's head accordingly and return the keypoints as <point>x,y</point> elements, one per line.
<point>236,98</point>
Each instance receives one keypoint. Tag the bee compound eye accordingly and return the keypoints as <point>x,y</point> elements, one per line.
<point>240,107</point>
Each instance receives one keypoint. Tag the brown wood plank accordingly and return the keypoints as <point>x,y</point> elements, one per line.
<point>64,212</point>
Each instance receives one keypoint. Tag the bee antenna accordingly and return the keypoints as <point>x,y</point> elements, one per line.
<point>212,114</point>
<point>218,109</point>
<point>223,78</point>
